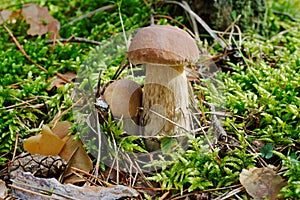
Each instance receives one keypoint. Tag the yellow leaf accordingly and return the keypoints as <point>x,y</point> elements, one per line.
<point>46,143</point>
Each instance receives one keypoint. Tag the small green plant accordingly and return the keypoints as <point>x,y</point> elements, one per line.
<point>292,190</point>
<point>266,151</point>
<point>198,168</point>
<point>114,132</point>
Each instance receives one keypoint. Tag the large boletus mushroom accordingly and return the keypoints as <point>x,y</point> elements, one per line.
<point>165,50</point>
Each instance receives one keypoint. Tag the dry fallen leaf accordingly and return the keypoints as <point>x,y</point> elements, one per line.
<point>261,183</point>
<point>40,20</point>
<point>46,143</point>
<point>3,190</point>
<point>4,16</point>
<point>77,157</point>
<point>58,82</point>
<point>61,129</point>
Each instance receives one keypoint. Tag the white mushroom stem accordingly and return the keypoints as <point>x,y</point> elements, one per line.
<point>166,93</point>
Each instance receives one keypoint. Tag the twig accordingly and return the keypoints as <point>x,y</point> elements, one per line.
<point>205,135</point>
<point>99,133</point>
<point>199,129</point>
<point>142,174</point>
<point>205,26</point>
<point>28,58</point>
<point>195,27</point>
<point>230,194</point>
<point>285,14</point>
<point>58,117</point>
<point>90,14</point>
<point>74,39</point>
<point>124,35</point>
<point>216,123</point>
<point>16,146</point>
<point>172,19</point>
<point>17,105</point>
<point>220,113</point>
<point>91,175</point>
<point>227,29</point>
<point>21,49</point>
<point>84,178</point>
<point>205,191</point>
<point>30,192</point>
<point>260,159</point>
<point>240,35</point>
<point>151,17</point>
<point>224,33</point>
<point>164,195</point>
<point>232,24</point>
<point>172,122</point>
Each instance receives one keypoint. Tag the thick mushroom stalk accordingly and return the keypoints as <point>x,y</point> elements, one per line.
<point>165,50</point>
<point>165,97</point>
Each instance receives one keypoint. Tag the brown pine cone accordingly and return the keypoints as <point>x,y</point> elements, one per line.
<point>39,165</point>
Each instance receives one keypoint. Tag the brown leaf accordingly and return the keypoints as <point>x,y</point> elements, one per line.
<point>40,20</point>
<point>261,183</point>
<point>61,129</point>
<point>76,156</point>
<point>58,82</point>
<point>3,190</point>
<point>4,16</point>
<point>46,143</point>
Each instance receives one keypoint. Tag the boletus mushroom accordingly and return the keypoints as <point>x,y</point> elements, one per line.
<point>124,98</point>
<point>165,50</point>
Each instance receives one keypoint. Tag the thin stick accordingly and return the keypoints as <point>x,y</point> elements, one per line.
<point>30,192</point>
<point>74,39</point>
<point>124,34</point>
<point>16,146</point>
<point>172,19</point>
<point>205,191</point>
<point>21,49</point>
<point>164,195</point>
<point>84,178</point>
<point>91,175</point>
<point>97,167</point>
<point>227,29</point>
<point>90,14</point>
<point>58,117</point>
<point>17,105</point>
<point>205,26</point>
<point>205,135</point>
<point>195,27</point>
<point>216,123</point>
<point>276,12</point>
<point>231,193</point>
<point>28,58</point>
<point>156,113</point>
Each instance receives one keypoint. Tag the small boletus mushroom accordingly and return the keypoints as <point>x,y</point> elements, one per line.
<point>165,50</point>
<point>124,98</point>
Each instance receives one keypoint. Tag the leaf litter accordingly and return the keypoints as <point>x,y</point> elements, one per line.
<point>39,19</point>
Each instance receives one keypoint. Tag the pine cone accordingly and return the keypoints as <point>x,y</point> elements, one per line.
<point>39,165</point>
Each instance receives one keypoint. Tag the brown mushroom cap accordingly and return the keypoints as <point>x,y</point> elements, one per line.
<point>159,44</point>
<point>124,98</point>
